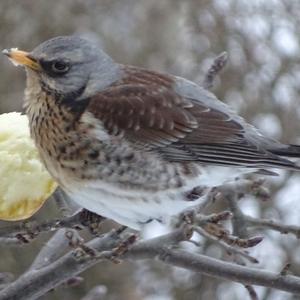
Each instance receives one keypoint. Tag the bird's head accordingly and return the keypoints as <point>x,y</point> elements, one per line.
<point>68,65</point>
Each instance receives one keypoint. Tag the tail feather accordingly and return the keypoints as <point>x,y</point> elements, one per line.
<point>289,151</point>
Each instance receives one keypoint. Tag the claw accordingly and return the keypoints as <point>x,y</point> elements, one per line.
<point>91,220</point>
<point>122,248</point>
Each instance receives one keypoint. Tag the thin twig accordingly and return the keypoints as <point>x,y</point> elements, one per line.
<point>217,268</point>
<point>239,226</point>
<point>34,228</point>
<point>274,225</point>
<point>251,291</point>
<point>215,68</point>
<point>59,269</point>
<point>69,266</point>
<point>228,248</point>
<point>61,200</point>
<point>10,241</point>
<point>58,272</point>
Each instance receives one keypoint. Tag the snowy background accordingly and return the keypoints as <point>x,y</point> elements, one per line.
<point>261,82</point>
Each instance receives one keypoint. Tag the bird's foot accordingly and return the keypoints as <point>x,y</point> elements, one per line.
<point>91,220</point>
<point>121,249</point>
<point>187,217</point>
<point>26,238</point>
<point>196,193</point>
<point>80,248</point>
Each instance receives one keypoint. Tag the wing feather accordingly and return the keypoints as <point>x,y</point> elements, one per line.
<point>152,116</point>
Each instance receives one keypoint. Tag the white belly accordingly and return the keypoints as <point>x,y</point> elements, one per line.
<point>135,211</point>
<point>137,208</point>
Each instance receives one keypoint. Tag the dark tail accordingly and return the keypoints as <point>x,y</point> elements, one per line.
<point>289,151</point>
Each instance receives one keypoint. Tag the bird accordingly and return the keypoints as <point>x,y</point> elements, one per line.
<point>133,144</point>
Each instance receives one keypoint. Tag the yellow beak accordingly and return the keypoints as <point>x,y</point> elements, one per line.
<point>21,58</point>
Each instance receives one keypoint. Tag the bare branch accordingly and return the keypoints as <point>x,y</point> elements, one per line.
<point>214,218</point>
<point>239,226</point>
<point>251,291</point>
<point>223,234</point>
<point>5,279</point>
<point>274,225</point>
<point>50,269</point>
<point>68,266</point>
<point>58,272</point>
<point>241,187</point>
<point>228,248</point>
<point>217,65</point>
<point>61,200</point>
<point>217,268</point>
<point>33,228</point>
<point>53,249</point>
<point>10,241</point>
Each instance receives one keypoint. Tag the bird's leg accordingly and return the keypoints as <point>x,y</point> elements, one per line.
<point>196,193</point>
<point>122,248</point>
<point>77,242</point>
<point>187,217</point>
<point>83,250</point>
<point>91,220</point>
<point>25,238</point>
<point>30,234</point>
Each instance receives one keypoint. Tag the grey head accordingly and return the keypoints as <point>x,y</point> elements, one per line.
<point>71,65</point>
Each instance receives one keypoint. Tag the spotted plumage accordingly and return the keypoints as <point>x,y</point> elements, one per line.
<point>133,144</point>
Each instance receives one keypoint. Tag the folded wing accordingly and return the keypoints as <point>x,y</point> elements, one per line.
<point>148,111</point>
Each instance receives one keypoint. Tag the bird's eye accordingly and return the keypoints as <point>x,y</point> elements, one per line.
<point>60,67</point>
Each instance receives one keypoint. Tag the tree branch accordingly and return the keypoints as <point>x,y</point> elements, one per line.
<point>219,269</point>
<point>271,224</point>
<point>67,266</point>
<point>53,249</point>
<point>228,248</point>
<point>50,276</point>
<point>51,268</point>
<point>215,68</point>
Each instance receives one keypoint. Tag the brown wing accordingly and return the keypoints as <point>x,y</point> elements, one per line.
<point>147,111</point>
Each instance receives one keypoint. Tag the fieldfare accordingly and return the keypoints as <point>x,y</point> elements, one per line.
<point>131,144</point>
